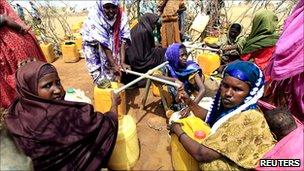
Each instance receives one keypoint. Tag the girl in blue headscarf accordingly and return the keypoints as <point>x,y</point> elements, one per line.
<point>186,72</point>
<point>239,135</point>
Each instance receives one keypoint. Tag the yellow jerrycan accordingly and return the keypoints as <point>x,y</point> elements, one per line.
<point>69,52</point>
<point>76,27</point>
<point>126,150</point>
<point>208,61</point>
<point>48,51</point>
<point>102,99</point>
<point>195,128</point>
<point>78,41</point>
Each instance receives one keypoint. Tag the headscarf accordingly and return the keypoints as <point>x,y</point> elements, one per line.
<point>172,56</point>
<point>262,32</point>
<point>148,20</point>
<point>287,60</point>
<point>98,28</point>
<point>57,133</point>
<point>247,72</point>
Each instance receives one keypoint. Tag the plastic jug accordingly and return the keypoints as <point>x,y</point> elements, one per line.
<point>102,98</point>
<point>78,41</point>
<point>69,52</point>
<point>211,40</point>
<point>48,51</point>
<point>76,27</point>
<point>126,150</point>
<point>196,129</point>
<point>155,90</point>
<point>208,61</point>
<point>76,95</point>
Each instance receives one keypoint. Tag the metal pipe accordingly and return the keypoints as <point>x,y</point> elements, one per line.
<point>153,78</point>
<point>139,78</point>
<point>202,48</point>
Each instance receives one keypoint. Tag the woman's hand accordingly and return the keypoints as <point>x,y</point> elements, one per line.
<point>116,69</point>
<point>24,29</point>
<point>175,127</point>
<point>115,98</point>
<point>181,84</point>
<point>183,96</point>
<point>125,67</point>
<point>185,112</point>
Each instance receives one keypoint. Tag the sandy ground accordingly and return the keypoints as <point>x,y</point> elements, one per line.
<point>151,122</point>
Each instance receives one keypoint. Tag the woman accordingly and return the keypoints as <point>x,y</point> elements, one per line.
<point>286,68</point>
<point>105,35</point>
<point>169,10</point>
<point>142,53</point>
<point>239,135</point>
<point>58,134</point>
<point>16,43</point>
<point>185,72</point>
<point>260,44</point>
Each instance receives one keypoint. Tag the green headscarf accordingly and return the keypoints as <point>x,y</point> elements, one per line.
<point>262,32</point>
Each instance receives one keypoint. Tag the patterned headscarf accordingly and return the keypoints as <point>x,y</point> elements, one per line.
<point>248,73</point>
<point>98,28</point>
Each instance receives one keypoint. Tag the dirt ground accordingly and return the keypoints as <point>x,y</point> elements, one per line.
<point>150,122</point>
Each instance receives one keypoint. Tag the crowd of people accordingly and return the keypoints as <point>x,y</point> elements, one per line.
<point>63,135</point>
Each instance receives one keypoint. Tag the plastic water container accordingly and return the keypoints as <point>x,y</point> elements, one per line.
<point>211,40</point>
<point>155,90</point>
<point>103,102</point>
<point>48,51</point>
<point>76,95</point>
<point>196,129</point>
<point>70,52</point>
<point>76,27</point>
<point>126,150</point>
<point>208,61</point>
<point>78,41</point>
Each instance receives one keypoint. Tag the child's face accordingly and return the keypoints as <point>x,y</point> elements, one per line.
<point>183,57</point>
<point>49,87</point>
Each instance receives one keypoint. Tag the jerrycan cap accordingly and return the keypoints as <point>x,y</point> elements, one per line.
<point>199,134</point>
<point>70,90</point>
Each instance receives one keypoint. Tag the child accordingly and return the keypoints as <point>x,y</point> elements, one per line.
<point>183,71</point>
<point>290,136</point>
<point>58,134</point>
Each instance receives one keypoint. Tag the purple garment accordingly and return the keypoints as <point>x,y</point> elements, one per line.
<point>287,65</point>
<point>288,60</point>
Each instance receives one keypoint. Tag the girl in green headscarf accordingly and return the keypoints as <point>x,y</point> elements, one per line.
<point>260,44</point>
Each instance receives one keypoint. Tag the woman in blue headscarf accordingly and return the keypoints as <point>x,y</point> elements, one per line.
<point>184,71</point>
<point>239,135</point>
<point>105,35</point>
